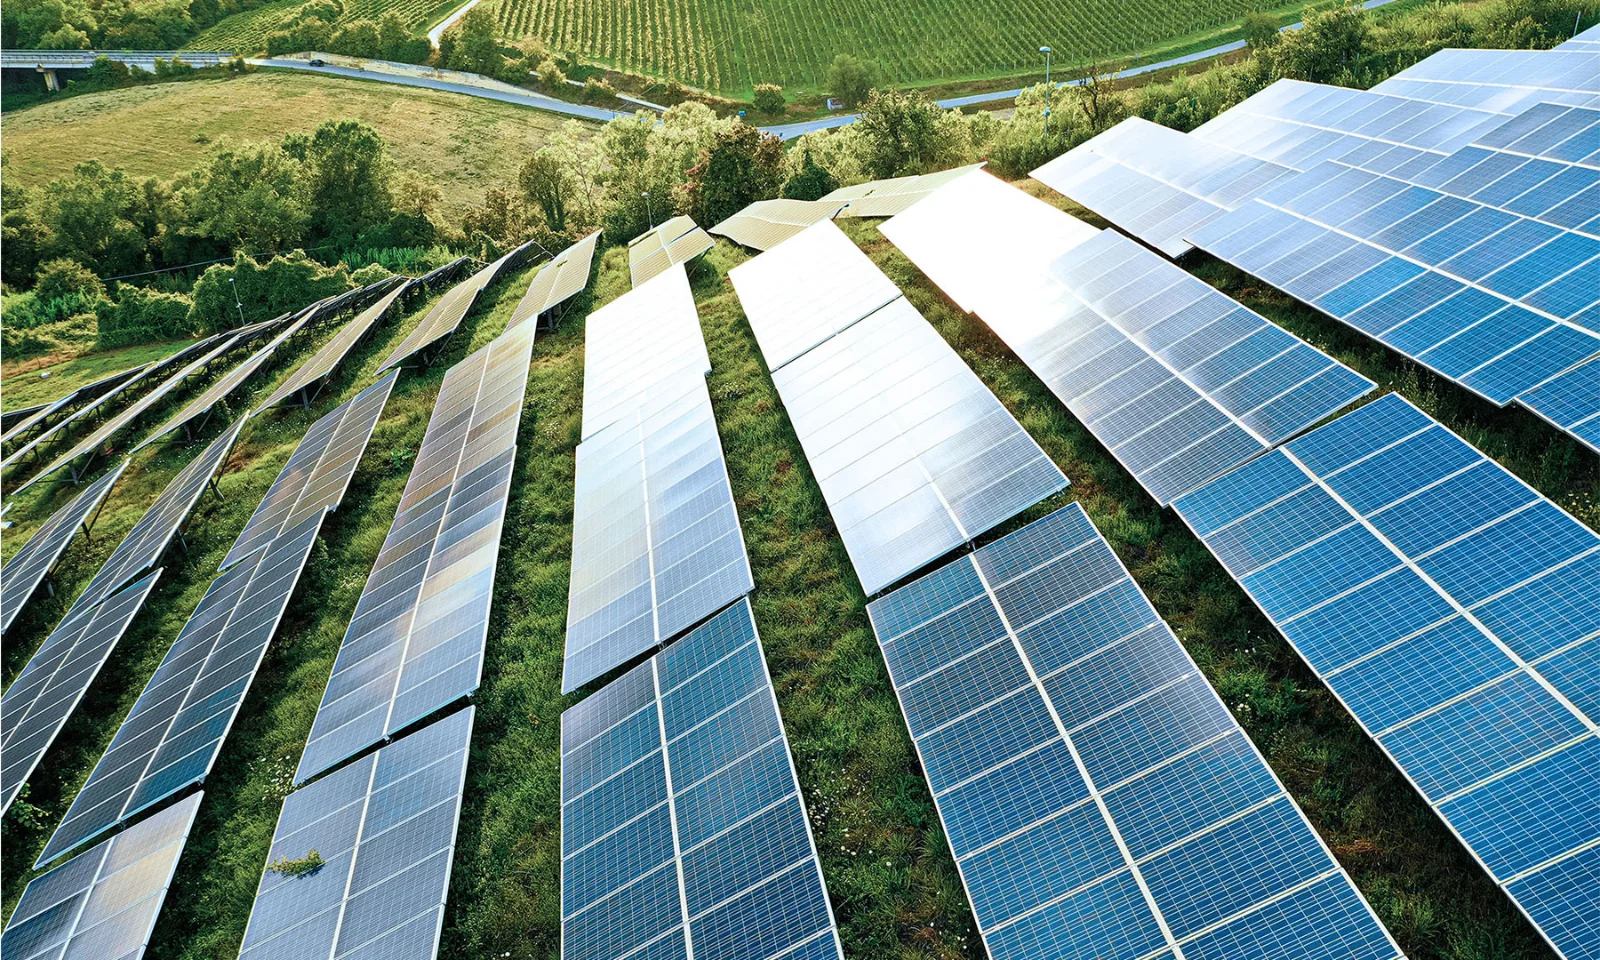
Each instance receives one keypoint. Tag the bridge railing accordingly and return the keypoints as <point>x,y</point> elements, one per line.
<point>83,59</point>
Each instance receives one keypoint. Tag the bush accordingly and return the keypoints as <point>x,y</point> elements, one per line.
<point>811,182</point>
<point>769,99</point>
<point>369,274</point>
<point>286,283</point>
<point>142,316</point>
<point>67,279</point>
<point>550,73</point>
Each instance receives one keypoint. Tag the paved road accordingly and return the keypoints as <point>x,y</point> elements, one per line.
<point>448,22</point>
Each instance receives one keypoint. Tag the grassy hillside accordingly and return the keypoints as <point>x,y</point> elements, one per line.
<point>888,869</point>
<point>24,385</point>
<point>247,31</point>
<point>459,144</point>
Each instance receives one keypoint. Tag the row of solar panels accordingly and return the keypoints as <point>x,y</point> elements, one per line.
<point>176,729</point>
<point>1452,213</point>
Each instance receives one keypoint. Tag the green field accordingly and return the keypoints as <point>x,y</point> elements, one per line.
<point>247,32</point>
<point>23,385</point>
<point>461,145</point>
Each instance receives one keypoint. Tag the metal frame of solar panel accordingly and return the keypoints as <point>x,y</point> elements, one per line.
<point>1506,81</point>
<point>558,281</point>
<point>316,475</point>
<point>658,249</point>
<point>885,198</point>
<point>1176,379</point>
<point>56,678</point>
<point>648,335</point>
<point>1099,798</point>
<point>766,223</point>
<point>443,274</point>
<point>31,564</point>
<point>656,545</point>
<point>914,455</point>
<point>1494,302</point>
<point>104,902</point>
<point>416,641</point>
<point>1157,184</point>
<point>307,381</point>
<point>1452,609</point>
<point>10,418</point>
<point>176,728</point>
<point>445,318</point>
<point>385,828</point>
<point>806,290</point>
<point>683,829</point>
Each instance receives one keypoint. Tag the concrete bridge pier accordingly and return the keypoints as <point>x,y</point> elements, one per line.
<point>50,81</point>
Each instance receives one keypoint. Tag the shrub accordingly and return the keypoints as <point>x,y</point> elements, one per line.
<point>300,867</point>
<point>769,99</point>
<point>550,72</point>
<point>142,316</point>
<point>67,279</point>
<point>261,292</point>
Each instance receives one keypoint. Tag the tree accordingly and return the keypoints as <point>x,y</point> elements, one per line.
<point>1260,29</point>
<point>397,42</point>
<point>852,78</point>
<point>251,198</point>
<point>67,279</point>
<point>348,177</point>
<point>98,217</point>
<point>742,165</point>
<point>811,182</point>
<point>359,38</point>
<point>1100,104</point>
<point>1326,48</point>
<point>769,99</point>
<point>474,45</point>
<point>502,219</point>
<point>901,132</point>
<point>548,184</point>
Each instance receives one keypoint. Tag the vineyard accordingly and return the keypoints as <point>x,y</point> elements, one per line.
<point>246,32</point>
<point>729,45</point>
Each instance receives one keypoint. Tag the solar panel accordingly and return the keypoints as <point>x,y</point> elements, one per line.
<point>416,641</point>
<point>913,453</point>
<point>650,334</point>
<point>766,223</point>
<point>175,731</point>
<point>656,541</point>
<point>308,379</point>
<point>385,828</point>
<point>885,198</point>
<point>10,418</point>
<point>37,704</point>
<point>20,422</point>
<point>453,307</point>
<point>201,407</point>
<point>1179,381</point>
<point>1100,800</point>
<point>102,903</point>
<point>438,275</point>
<point>315,477</point>
<point>557,282</point>
<point>683,831</point>
<point>29,566</point>
<point>1157,184</point>
<point>1570,402</point>
<point>816,285</point>
<point>1451,609</point>
<point>1505,81</point>
<point>1586,42</point>
<point>1494,302</point>
<point>677,241</point>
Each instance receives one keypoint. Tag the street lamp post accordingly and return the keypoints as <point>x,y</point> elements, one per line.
<point>1046,52</point>
<point>649,212</point>
<point>236,301</point>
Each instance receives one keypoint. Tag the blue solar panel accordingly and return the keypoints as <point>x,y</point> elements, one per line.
<point>1571,402</point>
<point>1504,81</point>
<point>683,831</point>
<point>1452,610</point>
<point>1099,798</point>
<point>385,829</point>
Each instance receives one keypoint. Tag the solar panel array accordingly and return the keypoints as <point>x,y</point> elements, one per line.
<point>656,250</point>
<point>885,198</point>
<point>766,223</point>
<point>1452,609</point>
<point>102,903</point>
<point>1586,42</point>
<point>817,285</point>
<point>1100,800</point>
<point>11,418</point>
<point>1505,81</point>
<point>175,731</point>
<point>1567,402</point>
<point>18,423</point>
<point>632,344</point>
<point>29,566</point>
<point>1494,302</point>
<point>1157,183</point>
<point>36,706</point>
<point>452,308</point>
<point>309,377</point>
<point>314,479</point>
<point>656,541</point>
<point>1179,381</point>
<point>385,828</point>
<point>683,831</point>
<point>416,641</point>
<point>557,281</point>
<point>202,406</point>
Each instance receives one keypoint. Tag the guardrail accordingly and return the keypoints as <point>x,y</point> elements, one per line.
<point>84,59</point>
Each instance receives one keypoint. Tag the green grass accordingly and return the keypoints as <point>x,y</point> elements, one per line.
<point>246,32</point>
<point>461,145</point>
<point>24,386</point>
<point>893,883</point>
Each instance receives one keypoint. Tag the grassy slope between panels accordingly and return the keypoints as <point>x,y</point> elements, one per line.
<point>893,883</point>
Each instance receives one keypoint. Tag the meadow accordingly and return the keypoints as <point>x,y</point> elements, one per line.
<point>461,145</point>
<point>889,871</point>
